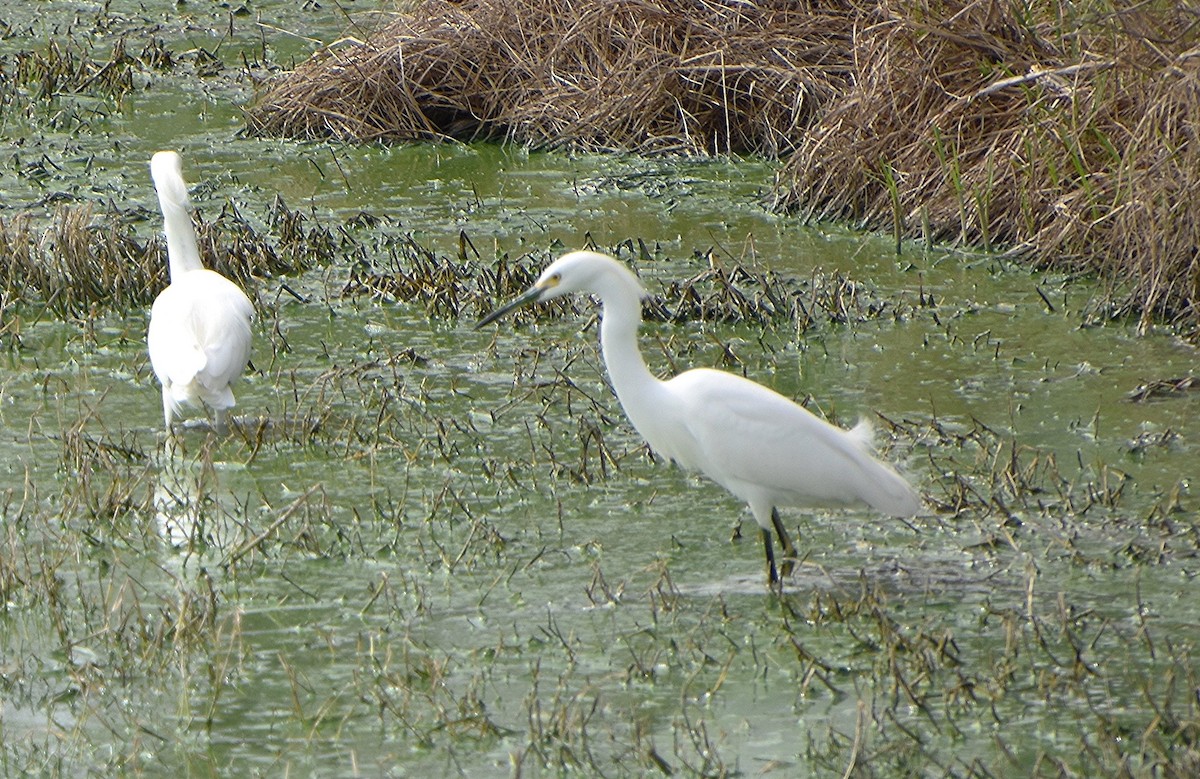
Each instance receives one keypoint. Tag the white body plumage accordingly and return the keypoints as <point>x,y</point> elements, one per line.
<point>751,440</point>
<point>200,326</point>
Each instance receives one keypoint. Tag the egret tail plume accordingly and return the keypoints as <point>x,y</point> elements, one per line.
<point>888,492</point>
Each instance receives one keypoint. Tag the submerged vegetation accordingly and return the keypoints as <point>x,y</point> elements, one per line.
<point>373,626</point>
<point>1059,132</point>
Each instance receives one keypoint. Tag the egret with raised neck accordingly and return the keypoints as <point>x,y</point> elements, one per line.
<point>200,325</point>
<point>757,444</point>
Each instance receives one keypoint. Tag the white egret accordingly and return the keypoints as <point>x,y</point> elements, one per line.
<point>754,442</point>
<point>199,335</point>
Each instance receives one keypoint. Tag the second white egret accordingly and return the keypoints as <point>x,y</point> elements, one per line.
<point>199,336</point>
<point>751,440</point>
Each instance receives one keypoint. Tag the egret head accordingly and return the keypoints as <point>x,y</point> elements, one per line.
<point>581,271</point>
<point>166,169</point>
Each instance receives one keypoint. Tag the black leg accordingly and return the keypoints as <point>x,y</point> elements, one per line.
<point>789,550</point>
<point>772,574</point>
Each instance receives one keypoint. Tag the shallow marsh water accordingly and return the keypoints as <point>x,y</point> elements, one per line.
<point>436,551</point>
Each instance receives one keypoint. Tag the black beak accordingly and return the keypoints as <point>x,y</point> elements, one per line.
<point>530,295</point>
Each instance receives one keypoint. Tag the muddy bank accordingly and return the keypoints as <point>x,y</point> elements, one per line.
<point>1064,135</point>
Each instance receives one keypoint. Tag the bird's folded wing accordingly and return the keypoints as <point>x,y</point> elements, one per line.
<point>756,436</point>
<point>200,329</point>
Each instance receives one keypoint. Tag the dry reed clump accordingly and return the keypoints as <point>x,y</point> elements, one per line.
<point>1062,133</point>
<point>701,76</point>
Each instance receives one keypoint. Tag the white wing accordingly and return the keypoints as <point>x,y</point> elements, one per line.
<point>757,443</point>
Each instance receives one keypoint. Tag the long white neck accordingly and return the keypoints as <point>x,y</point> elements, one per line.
<point>635,386</point>
<point>183,251</point>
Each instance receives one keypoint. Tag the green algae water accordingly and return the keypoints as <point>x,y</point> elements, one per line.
<point>435,551</point>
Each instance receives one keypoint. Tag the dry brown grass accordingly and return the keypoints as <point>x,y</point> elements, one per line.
<point>1063,132</point>
<point>83,264</point>
<point>650,75</point>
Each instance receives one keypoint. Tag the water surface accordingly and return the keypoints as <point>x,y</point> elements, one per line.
<point>438,551</point>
